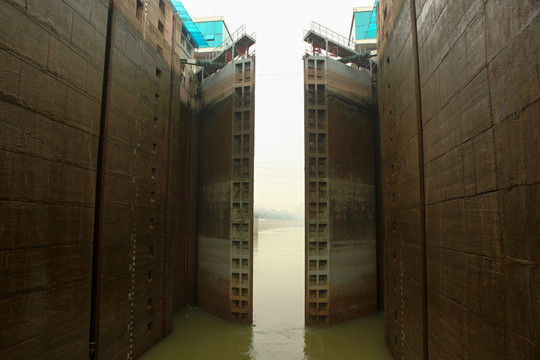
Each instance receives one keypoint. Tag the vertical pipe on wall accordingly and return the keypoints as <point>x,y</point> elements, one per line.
<point>99,195</point>
<point>422,192</point>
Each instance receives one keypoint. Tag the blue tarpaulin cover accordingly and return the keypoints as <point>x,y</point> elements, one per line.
<point>365,23</point>
<point>189,24</point>
<point>372,27</point>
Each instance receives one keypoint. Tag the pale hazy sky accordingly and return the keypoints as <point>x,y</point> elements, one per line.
<point>279,99</point>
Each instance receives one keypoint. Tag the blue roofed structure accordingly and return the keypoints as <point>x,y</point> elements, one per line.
<point>214,29</point>
<point>215,45</point>
<point>364,28</point>
<point>372,27</point>
<point>197,39</point>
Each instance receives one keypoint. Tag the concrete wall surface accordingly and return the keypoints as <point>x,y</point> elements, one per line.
<point>94,191</point>
<point>50,98</point>
<point>459,91</point>
<point>341,279</point>
<point>226,151</point>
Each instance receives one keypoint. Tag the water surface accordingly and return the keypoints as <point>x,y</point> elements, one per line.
<point>278,331</point>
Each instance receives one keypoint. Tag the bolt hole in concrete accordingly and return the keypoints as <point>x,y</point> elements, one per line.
<point>278,332</point>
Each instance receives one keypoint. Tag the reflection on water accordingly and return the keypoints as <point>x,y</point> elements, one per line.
<point>278,294</point>
<point>278,331</point>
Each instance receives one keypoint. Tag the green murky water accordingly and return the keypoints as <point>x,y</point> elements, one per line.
<point>278,332</point>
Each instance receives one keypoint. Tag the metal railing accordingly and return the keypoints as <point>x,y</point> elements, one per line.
<point>225,45</point>
<point>331,35</point>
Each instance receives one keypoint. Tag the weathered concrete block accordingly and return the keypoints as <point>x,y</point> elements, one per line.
<point>444,177</point>
<point>94,81</point>
<point>42,92</point>
<point>411,260</point>
<point>486,339</point>
<point>117,254</point>
<point>479,166</point>
<point>506,19</point>
<point>412,303</point>
<point>88,40</point>
<point>30,225</point>
<point>447,274</point>
<point>121,159</point>
<point>81,7</point>
<point>439,350</point>
<point>454,18</point>
<point>66,64</point>
<point>520,222</point>
<point>127,76</point>
<point>98,16</point>
<point>69,184</point>
<point>475,38</point>
<point>32,270</point>
<point>122,130</point>
<point>35,348</point>
<point>413,342</point>
<point>118,223</point>
<point>474,107</point>
<point>71,340</point>
<point>25,224</point>
<point>407,223</point>
<point>445,225</point>
<point>485,287</point>
<point>21,35</point>
<point>16,312</point>
<point>514,82</point>
<point>431,100</point>
<point>453,69</point>
<point>120,190</point>
<point>516,143</point>
<point>519,307</point>
<point>442,132</point>
<point>57,307</point>
<point>72,146</point>
<point>482,225</point>
<point>24,131</point>
<point>82,112</point>
<point>30,178</point>
<point>407,191</point>
<point>427,13</point>
<point>54,15</point>
<point>9,76</point>
<point>448,323</point>
<point>6,172</point>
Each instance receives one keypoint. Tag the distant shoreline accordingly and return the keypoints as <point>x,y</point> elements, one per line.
<point>265,224</point>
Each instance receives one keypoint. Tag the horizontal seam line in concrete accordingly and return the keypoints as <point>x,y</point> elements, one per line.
<point>40,112</point>
<point>465,197</point>
<point>516,34</point>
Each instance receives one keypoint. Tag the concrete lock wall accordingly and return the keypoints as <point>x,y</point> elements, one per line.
<point>225,247</point>
<point>50,88</point>
<point>458,102</point>
<point>98,156</point>
<point>340,117</point>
